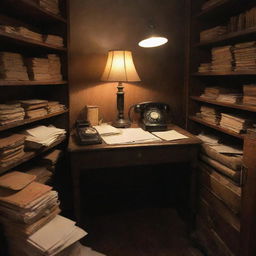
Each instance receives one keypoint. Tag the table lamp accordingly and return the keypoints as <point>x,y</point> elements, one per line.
<point>120,68</point>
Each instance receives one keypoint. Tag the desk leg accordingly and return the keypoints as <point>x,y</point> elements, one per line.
<point>75,169</point>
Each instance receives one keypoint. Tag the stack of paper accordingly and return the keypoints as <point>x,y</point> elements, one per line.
<point>106,129</point>
<point>55,106</point>
<point>51,159</point>
<point>209,114</point>
<point>230,98</point>
<point>54,67</point>
<point>38,69</point>
<point>26,205</point>
<point>34,108</point>
<point>212,33</point>
<point>10,113</point>
<point>29,34</point>
<point>130,135</point>
<point>54,40</point>
<point>11,149</point>
<point>42,174</point>
<point>8,29</point>
<point>50,5</point>
<point>42,136</point>
<point>205,67</point>
<point>245,56</point>
<point>170,135</point>
<point>213,92</point>
<point>222,59</point>
<point>249,91</point>
<point>235,123</point>
<point>12,67</point>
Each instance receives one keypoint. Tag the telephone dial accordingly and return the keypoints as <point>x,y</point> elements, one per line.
<point>86,134</point>
<point>153,115</point>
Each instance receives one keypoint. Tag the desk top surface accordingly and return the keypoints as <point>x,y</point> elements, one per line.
<point>191,140</point>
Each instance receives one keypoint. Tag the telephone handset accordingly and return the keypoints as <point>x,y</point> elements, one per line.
<point>153,115</point>
<point>86,134</point>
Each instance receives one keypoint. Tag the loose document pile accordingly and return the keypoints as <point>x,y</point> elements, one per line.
<point>29,213</point>
<point>209,114</point>
<point>10,113</point>
<point>222,158</point>
<point>11,149</point>
<point>112,135</point>
<point>12,67</point>
<point>50,5</point>
<point>43,136</point>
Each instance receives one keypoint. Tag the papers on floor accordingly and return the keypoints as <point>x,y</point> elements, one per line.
<point>106,129</point>
<point>43,136</point>
<point>170,135</point>
<point>55,236</point>
<point>130,135</point>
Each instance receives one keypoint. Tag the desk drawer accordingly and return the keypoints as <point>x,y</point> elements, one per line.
<point>133,156</point>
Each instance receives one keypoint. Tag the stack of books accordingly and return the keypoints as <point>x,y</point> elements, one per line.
<point>212,33</point>
<point>209,114</point>
<point>213,92</point>
<point>55,106</point>
<point>233,98</point>
<point>222,59</point>
<point>245,56</point>
<point>43,136</point>
<point>10,113</point>
<point>12,67</point>
<point>11,149</point>
<point>208,4</point>
<point>25,32</point>
<point>249,94</point>
<point>50,5</point>
<point>54,40</point>
<point>235,123</point>
<point>205,67</point>
<point>34,108</point>
<point>38,69</point>
<point>55,67</point>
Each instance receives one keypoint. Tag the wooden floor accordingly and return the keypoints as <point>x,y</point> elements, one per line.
<point>139,232</point>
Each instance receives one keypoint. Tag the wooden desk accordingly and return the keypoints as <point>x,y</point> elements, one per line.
<point>91,157</point>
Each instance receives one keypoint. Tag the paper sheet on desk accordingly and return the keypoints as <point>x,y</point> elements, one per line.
<point>129,136</point>
<point>170,135</point>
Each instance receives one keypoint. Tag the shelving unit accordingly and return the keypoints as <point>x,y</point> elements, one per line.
<point>28,13</point>
<point>238,242</point>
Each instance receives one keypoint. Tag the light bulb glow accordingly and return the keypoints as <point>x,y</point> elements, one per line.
<point>153,42</point>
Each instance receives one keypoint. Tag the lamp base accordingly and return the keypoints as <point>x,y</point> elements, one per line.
<point>121,123</point>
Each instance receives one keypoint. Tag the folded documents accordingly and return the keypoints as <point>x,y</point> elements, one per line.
<point>16,180</point>
<point>106,129</point>
<point>170,135</point>
<point>130,135</point>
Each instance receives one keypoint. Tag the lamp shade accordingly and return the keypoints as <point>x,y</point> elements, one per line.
<point>120,67</point>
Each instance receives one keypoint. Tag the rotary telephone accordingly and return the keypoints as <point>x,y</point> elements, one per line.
<point>153,115</point>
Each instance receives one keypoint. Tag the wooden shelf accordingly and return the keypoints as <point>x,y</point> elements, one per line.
<point>224,7</point>
<point>230,37</point>
<point>30,83</point>
<point>31,154</point>
<point>29,11</point>
<point>224,104</point>
<point>30,120</point>
<point>216,127</point>
<point>19,40</point>
<point>231,73</point>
